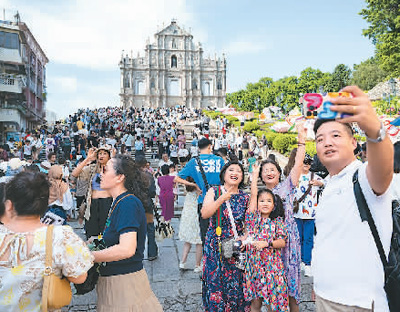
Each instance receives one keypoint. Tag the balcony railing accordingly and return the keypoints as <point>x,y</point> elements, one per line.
<point>10,83</point>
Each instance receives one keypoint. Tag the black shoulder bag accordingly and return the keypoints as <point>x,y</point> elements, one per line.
<point>203,174</point>
<point>391,265</point>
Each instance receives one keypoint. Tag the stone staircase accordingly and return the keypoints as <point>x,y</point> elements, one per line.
<point>154,164</point>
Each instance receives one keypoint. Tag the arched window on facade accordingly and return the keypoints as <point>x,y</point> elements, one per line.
<point>174,61</point>
<point>206,89</point>
<point>173,43</point>
<point>140,88</point>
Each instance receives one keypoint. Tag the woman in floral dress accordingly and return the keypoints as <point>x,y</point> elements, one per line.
<point>23,246</point>
<point>270,175</point>
<point>222,280</point>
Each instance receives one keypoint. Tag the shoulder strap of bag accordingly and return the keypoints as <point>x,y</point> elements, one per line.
<point>365,214</point>
<point>307,191</point>
<point>49,247</point>
<point>203,174</point>
<point>48,266</point>
<point>231,218</point>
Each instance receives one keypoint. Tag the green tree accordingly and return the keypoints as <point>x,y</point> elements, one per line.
<point>384,31</point>
<point>310,80</point>
<point>340,77</point>
<point>368,74</point>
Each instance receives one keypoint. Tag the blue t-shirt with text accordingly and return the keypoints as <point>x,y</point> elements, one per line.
<point>212,166</point>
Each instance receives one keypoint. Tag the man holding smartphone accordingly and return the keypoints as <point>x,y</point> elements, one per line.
<point>348,273</point>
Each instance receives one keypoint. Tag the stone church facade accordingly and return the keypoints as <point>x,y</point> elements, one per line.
<point>173,72</point>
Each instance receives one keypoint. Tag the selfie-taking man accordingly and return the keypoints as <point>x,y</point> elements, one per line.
<point>348,273</point>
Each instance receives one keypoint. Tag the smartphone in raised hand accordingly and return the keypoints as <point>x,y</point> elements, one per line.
<point>317,105</point>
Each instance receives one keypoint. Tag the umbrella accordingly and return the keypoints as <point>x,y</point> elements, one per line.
<point>396,122</point>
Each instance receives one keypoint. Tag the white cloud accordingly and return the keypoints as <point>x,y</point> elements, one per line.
<point>248,45</point>
<point>92,33</point>
<point>63,84</point>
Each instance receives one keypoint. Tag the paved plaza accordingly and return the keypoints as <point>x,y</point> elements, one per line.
<point>177,290</point>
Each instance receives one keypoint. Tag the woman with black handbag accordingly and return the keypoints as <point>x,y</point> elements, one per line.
<point>226,206</point>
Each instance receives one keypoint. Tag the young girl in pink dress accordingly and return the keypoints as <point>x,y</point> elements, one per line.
<point>265,279</point>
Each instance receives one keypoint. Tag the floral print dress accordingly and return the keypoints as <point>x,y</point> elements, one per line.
<point>222,280</point>
<point>21,270</point>
<point>291,254</point>
<point>264,271</point>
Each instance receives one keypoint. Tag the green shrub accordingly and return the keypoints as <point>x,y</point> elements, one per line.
<point>236,124</point>
<point>211,114</point>
<point>251,126</point>
<point>231,119</point>
<point>260,133</point>
<point>310,148</point>
<point>267,126</point>
<point>270,136</point>
<point>283,142</point>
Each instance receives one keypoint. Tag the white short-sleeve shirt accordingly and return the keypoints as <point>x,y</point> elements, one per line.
<point>346,264</point>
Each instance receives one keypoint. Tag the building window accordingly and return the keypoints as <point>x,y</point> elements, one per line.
<point>152,84</point>
<point>140,88</point>
<point>206,89</point>
<point>173,44</point>
<point>174,61</point>
<point>194,84</point>
<point>219,85</point>
<point>9,40</point>
<point>126,81</point>
<point>174,87</point>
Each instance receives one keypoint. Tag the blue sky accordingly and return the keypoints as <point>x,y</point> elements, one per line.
<point>84,38</point>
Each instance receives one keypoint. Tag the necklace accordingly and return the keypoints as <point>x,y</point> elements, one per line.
<point>113,206</point>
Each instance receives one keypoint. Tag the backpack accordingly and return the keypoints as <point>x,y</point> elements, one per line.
<point>391,265</point>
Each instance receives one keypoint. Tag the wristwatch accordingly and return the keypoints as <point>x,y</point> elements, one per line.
<point>381,135</point>
<point>270,245</point>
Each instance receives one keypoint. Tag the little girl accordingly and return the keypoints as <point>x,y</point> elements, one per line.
<point>265,279</point>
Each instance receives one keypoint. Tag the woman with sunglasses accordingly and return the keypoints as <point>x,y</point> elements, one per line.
<point>123,283</point>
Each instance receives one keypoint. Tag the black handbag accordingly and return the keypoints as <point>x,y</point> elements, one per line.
<point>391,265</point>
<point>93,274</point>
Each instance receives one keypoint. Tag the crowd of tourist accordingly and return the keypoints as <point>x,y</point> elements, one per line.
<point>253,224</point>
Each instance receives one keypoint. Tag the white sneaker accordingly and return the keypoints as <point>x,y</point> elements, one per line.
<point>307,270</point>
<point>302,266</point>
<point>198,269</point>
<point>182,265</point>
